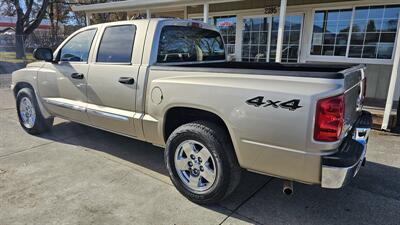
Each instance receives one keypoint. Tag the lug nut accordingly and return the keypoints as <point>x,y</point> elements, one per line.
<point>190,164</point>
<point>200,160</point>
<point>201,168</point>
<point>192,156</point>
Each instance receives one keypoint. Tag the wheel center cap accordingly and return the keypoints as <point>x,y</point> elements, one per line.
<point>195,171</point>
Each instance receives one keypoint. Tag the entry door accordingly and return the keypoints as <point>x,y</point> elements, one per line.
<point>63,85</point>
<point>259,38</point>
<point>113,80</point>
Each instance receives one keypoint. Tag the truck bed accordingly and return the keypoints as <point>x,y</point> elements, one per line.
<point>297,69</point>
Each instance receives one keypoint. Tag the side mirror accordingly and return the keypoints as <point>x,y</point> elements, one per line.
<point>45,54</point>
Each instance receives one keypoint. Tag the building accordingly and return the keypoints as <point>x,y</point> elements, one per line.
<point>318,31</point>
<point>8,23</point>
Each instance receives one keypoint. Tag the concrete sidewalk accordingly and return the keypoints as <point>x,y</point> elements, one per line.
<point>80,175</point>
<point>5,80</point>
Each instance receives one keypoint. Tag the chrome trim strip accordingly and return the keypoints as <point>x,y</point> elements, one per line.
<point>107,115</point>
<point>65,105</point>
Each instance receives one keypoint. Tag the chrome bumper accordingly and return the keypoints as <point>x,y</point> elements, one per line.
<point>338,171</point>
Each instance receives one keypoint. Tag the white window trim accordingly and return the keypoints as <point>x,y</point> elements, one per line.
<point>346,59</point>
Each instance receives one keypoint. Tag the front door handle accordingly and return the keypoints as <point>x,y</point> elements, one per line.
<point>126,80</point>
<point>77,75</point>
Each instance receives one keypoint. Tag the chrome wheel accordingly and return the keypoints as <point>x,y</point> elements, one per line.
<point>27,112</point>
<point>195,166</point>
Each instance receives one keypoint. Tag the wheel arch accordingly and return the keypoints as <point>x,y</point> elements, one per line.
<point>179,115</point>
<point>18,86</point>
<point>23,84</point>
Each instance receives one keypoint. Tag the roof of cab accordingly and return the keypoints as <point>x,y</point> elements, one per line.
<point>203,25</point>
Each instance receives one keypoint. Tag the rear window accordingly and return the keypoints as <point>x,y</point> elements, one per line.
<point>189,44</point>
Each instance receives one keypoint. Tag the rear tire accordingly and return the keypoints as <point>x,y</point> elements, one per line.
<point>29,114</point>
<point>201,163</point>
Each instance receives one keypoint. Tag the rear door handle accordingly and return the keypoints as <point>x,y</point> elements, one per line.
<point>126,80</point>
<point>77,75</point>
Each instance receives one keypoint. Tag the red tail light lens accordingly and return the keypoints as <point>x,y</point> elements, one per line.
<point>329,119</point>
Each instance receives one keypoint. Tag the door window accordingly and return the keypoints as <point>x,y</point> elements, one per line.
<point>260,38</point>
<point>227,27</point>
<point>116,44</point>
<point>78,47</point>
<point>291,38</point>
<point>255,39</point>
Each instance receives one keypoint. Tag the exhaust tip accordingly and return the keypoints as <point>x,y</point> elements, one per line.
<point>287,187</point>
<point>287,191</point>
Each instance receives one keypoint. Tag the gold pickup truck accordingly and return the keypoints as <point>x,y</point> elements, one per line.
<point>168,82</point>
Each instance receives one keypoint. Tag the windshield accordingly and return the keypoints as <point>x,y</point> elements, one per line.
<point>189,44</point>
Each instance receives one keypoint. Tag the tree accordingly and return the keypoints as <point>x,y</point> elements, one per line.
<point>58,13</point>
<point>29,16</point>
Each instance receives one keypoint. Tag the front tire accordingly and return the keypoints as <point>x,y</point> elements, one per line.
<point>29,114</point>
<point>201,163</point>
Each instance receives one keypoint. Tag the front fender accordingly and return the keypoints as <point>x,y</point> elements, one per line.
<point>28,77</point>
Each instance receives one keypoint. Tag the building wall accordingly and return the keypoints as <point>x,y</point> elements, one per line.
<point>378,72</point>
<point>253,4</point>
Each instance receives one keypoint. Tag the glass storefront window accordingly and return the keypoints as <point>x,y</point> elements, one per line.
<point>331,30</point>
<point>260,34</point>
<point>291,38</point>
<point>255,39</point>
<point>373,32</point>
<point>227,27</point>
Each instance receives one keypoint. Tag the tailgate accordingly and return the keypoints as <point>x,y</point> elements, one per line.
<point>355,85</point>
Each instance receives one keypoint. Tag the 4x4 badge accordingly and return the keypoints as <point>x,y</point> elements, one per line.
<point>259,101</point>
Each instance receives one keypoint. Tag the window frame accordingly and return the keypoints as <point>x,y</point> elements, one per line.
<point>101,38</point>
<point>346,58</point>
<point>58,53</point>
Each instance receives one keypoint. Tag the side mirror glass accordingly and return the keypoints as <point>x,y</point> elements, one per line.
<point>45,54</point>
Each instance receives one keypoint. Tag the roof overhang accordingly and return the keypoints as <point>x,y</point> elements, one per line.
<point>141,5</point>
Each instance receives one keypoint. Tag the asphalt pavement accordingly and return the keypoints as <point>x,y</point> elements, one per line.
<point>80,175</point>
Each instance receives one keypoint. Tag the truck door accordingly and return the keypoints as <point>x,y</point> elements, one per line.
<point>112,81</point>
<point>62,84</point>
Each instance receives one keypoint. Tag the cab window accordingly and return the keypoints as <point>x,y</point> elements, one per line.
<point>78,47</point>
<point>189,44</point>
<point>116,44</point>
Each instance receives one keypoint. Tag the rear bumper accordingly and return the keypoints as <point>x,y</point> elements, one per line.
<point>338,169</point>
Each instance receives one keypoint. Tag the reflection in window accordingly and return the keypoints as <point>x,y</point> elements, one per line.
<point>260,39</point>
<point>189,44</point>
<point>227,27</point>
<point>291,38</point>
<point>111,49</point>
<point>331,30</point>
<point>78,47</point>
<point>374,32</point>
<point>255,39</point>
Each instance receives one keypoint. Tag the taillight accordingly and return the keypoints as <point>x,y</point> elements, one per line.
<point>329,119</point>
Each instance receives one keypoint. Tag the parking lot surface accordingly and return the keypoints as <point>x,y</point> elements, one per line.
<point>80,175</point>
